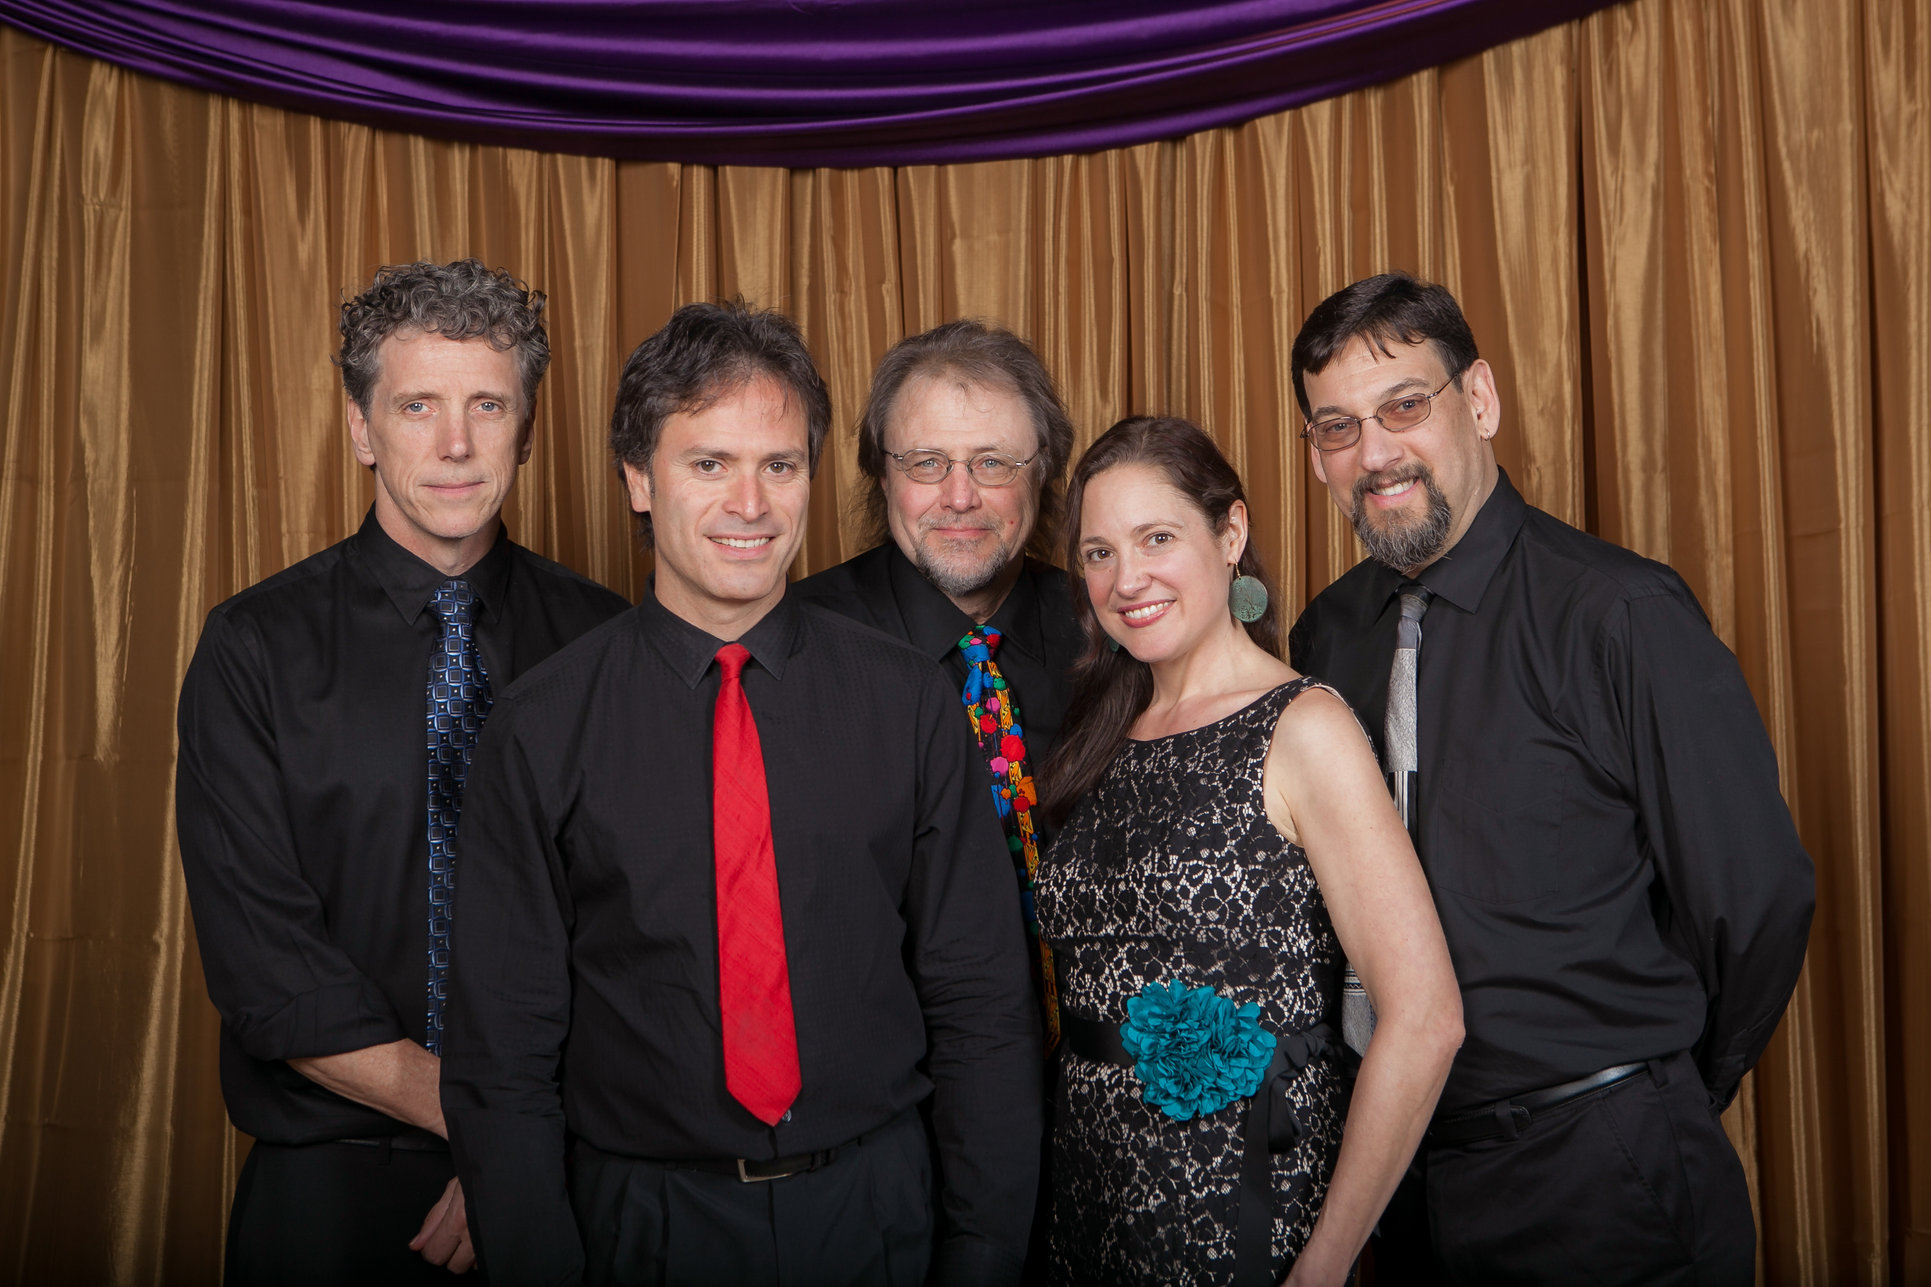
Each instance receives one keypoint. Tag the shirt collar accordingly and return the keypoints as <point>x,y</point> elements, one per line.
<point>934,624</point>
<point>1463,574</point>
<point>690,649</point>
<point>411,584</point>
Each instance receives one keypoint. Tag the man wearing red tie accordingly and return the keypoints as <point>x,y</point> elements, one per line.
<point>735,906</point>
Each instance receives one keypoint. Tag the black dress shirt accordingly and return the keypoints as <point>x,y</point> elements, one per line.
<point>1599,817</point>
<point>585,979</point>
<point>302,806</point>
<point>1041,640</point>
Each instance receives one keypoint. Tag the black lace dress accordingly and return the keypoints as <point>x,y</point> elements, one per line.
<point>1169,869</point>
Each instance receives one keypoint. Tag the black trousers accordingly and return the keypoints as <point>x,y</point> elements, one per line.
<point>865,1220</point>
<point>320,1215</point>
<point>1634,1185</point>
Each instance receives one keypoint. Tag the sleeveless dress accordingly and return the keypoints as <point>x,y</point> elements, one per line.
<point>1170,869</point>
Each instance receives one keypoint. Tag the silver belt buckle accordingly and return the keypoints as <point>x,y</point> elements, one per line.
<point>747,1178</point>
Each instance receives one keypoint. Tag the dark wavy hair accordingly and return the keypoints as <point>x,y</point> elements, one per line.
<point>1392,308</point>
<point>460,301</point>
<point>970,352</point>
<point>1111,689</point>
<point>707,352</point>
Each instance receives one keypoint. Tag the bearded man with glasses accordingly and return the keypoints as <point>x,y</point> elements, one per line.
<point>1595,805</point>
<point>964,443</point>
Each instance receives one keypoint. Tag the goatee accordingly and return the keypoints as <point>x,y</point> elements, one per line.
<point>958,577</point>
<point>1404,545</point>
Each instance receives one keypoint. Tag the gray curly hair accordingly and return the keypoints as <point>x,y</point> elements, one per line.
<point>460,301</point>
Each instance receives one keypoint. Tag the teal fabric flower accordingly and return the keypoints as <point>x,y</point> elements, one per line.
<point>1195,1050</point>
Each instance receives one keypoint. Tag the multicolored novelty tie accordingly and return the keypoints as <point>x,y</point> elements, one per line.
<point>459,701</point>
<point>995,719</point>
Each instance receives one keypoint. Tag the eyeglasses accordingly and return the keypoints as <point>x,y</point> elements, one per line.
<point>1398,415</point>
<point>988,469</point>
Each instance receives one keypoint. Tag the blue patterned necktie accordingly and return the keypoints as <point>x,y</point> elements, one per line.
<point>459,701</point>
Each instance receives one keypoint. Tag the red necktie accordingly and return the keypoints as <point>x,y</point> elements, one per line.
<point>753,981</point>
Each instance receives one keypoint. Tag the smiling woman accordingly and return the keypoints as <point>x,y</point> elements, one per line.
<point>1226,839</point>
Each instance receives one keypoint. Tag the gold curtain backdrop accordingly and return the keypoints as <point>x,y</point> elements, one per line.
<point>1693,237</point>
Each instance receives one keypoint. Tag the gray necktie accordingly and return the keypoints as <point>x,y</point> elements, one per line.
<point>1357,1015</point>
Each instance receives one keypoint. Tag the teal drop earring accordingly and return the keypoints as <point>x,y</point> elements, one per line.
<point>1247,598</point>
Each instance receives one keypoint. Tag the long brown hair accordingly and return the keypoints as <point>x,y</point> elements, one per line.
<point>1110,688</point>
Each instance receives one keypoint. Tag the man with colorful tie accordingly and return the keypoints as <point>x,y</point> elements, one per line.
<point>733,908</point>
<point>964,444</point>
<point>1596,807</point>
<point>326,727</point>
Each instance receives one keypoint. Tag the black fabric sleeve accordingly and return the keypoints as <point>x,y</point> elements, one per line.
<point>283,988</point>
<point>1740,887</point>
<point>1300,638</point>
<point>966,953</point>
<point>507,1017</point>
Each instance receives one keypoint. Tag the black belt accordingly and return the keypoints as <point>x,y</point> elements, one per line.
<point>755,1170</point>
<point>1507,1118</point>
<point>407,1143</point>
<point>1272,1127</point>
<point>752,1172</point>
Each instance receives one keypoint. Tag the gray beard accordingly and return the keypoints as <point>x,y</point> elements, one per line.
<point>955,582</point>
<point>1410,545</point>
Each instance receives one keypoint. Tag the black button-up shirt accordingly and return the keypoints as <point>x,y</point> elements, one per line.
<point>1041,637</point>
<point>302,806</point>
<point>584,990</point>
<point>1599,817</point>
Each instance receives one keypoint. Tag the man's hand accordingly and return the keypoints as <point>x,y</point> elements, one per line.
<point>444,1236</point>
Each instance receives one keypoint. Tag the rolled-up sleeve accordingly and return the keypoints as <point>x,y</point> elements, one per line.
<point>967,955</point>
<point>509,1012</point>
<point>283,988</point>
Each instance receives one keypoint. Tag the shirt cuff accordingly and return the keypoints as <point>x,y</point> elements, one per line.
<point>328,1020</point>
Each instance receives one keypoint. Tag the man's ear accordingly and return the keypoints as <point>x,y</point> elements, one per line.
<point>637,483</point>
<point>529,439</point>
<point>359,436</point>
<point>1478,386</point>
<point>1317,464</point>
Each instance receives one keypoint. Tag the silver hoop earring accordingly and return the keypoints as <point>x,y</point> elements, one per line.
<point>1247,598</point>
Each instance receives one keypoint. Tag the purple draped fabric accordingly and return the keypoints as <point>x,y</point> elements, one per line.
<point>788,82</point>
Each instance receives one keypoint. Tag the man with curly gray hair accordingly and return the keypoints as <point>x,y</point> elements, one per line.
<point>326,725</point>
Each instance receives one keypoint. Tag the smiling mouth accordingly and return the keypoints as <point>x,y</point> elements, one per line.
<point>742,542</point>
<point>1395,486</point>
<point>1398,488</point>
<point>1145,613</point>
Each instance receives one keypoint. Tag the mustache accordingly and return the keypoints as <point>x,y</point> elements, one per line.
<point>1413,471</point>
<point>976,525</point>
